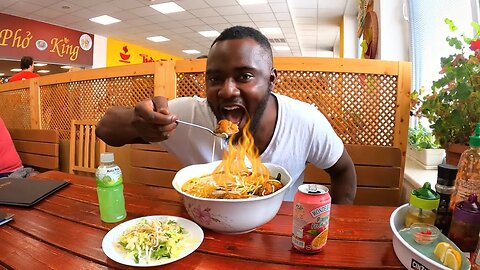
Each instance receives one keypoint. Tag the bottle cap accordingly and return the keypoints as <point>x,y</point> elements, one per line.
<point>425,197</point>
<point>468,211</point>
<point>475,139</point>
<point>107,157</point>
<point>446,174</point>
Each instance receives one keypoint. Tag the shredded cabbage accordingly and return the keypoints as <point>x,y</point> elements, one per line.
<point>151,240</point>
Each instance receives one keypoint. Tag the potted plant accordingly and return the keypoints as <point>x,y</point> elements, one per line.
<point>423,148</point>
<point>453,107</point>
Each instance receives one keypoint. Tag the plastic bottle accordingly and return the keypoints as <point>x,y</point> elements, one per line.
<point>445,186</point>
<point>468,176</point>
<point>423,203</point>
<point>110,189</point>
<point>475,258</point>
<point>465,225</point>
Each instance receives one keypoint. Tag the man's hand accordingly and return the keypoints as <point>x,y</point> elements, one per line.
<point>152,120</point>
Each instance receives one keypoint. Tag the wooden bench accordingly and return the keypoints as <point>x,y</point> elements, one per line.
<point>378,171</point>
<point>37,148</point>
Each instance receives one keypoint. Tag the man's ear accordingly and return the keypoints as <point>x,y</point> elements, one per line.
<point>273,76</point>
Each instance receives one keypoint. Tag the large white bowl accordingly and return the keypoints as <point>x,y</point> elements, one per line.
<point>231,216</point>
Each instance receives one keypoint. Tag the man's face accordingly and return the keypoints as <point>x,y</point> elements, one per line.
<point>239,80</point>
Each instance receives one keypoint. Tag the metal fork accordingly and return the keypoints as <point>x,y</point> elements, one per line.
<point>220,135</point>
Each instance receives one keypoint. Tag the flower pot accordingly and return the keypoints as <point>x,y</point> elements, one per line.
<point>454,151</point>
<point>426,158</point>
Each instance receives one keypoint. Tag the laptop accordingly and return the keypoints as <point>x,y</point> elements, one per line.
<point>27,192</point>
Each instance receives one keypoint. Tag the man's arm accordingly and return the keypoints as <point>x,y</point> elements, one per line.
<point>149,121</point>
<point>344,180</point>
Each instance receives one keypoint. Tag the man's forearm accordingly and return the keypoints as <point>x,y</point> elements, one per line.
<point>116,129</point>
<point>344,187</point>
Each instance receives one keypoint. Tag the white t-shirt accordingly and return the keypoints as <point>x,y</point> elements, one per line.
<point>302,135</point>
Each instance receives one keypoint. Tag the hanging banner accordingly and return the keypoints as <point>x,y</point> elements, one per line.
<point>122,53</point>
<point>44,42</point>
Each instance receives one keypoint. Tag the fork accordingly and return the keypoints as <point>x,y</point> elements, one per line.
<point>220,135</point>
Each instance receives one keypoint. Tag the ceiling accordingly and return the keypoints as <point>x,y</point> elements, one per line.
<point>308,27</point>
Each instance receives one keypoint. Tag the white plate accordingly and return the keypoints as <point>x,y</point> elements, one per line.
<point>108,243</point>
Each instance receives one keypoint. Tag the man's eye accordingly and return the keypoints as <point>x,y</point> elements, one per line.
<point>246,77</point>
<point>213,79</point>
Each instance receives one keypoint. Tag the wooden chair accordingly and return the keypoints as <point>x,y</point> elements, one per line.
<point>83,146</point>
<point>37,148</point>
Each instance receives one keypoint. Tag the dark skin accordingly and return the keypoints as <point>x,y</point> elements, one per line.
<point>240,78</point>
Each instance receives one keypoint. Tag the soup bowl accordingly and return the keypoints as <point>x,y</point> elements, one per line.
<point>231,216</point>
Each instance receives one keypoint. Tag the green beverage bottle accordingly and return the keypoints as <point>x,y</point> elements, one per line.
<point>110,189</point>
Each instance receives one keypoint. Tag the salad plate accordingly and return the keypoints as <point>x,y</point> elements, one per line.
<point>111,247</point>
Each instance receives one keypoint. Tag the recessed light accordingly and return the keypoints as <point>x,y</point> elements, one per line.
<point>281,48</point>
<point>39,64</point>
<point>16,69</point>
<point>209,33</point>
<point>169,7</point>
<point>251,2</point>
<point>43,71</point>
<point>270,30</point>
<point>190,51</point>
<point>66,67</point>
<point>105,20</point>
<point>2,74</point>
<point>158,39</point>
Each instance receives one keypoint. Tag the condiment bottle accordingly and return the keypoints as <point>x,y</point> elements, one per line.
<point>468,176</point>
<point>423,203</point>
<point>445,186</point>
<point>465,225</point>
<point>110,189</point>
<point>475,258</point>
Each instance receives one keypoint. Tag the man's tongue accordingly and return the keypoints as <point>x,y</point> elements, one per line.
<point>234,115</point>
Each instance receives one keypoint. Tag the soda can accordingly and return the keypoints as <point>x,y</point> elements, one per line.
<point>311,214</point>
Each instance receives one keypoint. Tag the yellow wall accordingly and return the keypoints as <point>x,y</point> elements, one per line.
<point>132,54</point>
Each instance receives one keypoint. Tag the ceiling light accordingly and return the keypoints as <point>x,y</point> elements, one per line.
<point>209,33</point>
<point>190,51</point>
<point>104,19</point>
<point>66,67</point>
<point>39,64</point>
<point>251,2</point>
<point>271,30</point>
<point>169,7</point>
<point>16,69</point>
<point>281,48</point>
<point>2,74</point>
<point>158,39</point>
<point>43,71</point>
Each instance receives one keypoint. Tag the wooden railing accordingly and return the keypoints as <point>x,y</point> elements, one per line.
<point>366,101</point>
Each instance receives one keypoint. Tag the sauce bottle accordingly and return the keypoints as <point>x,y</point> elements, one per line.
<point>110,189</point>
<point>468,176</point>
<point>445,186</point>
<point>465,225</point>
<point>423,203</point>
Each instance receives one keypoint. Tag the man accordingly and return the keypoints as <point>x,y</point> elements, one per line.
<point>9,159</point>
<point>239,82</point>
<point>26,64</point>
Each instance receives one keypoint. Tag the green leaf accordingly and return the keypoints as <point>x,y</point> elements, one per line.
<point>463,91</point>
<point>450,24</point>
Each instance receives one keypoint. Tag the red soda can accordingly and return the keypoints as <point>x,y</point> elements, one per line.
<point>311,214</point>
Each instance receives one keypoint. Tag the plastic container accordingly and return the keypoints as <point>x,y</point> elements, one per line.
<point>445,187</point>
<point>423,203</point>
<point>465,225</point>
<point>468,176</point>
<point>110,189</point>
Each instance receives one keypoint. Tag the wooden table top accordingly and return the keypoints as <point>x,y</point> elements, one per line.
<point>64,231</point>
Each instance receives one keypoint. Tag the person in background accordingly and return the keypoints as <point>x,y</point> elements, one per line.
<point>26,64</point>
<point>9,159</point>
<point>239,81</point>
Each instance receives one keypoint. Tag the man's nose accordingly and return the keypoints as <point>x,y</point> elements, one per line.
<point>229,89</point>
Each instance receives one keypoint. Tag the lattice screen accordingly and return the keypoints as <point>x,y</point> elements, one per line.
<point>88,100</point>
<point>360,107</point>
<point>15,108</point>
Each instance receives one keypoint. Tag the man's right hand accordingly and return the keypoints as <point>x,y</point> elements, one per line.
<point>152,119</point>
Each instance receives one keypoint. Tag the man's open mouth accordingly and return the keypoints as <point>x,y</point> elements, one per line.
<point>235,114</point>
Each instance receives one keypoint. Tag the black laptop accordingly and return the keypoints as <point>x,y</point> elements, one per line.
<point>27,192</point>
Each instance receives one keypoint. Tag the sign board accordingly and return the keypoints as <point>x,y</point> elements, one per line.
<point>44,42</point>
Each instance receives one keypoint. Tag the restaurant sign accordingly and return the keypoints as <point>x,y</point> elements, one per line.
<point>44,42</point>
